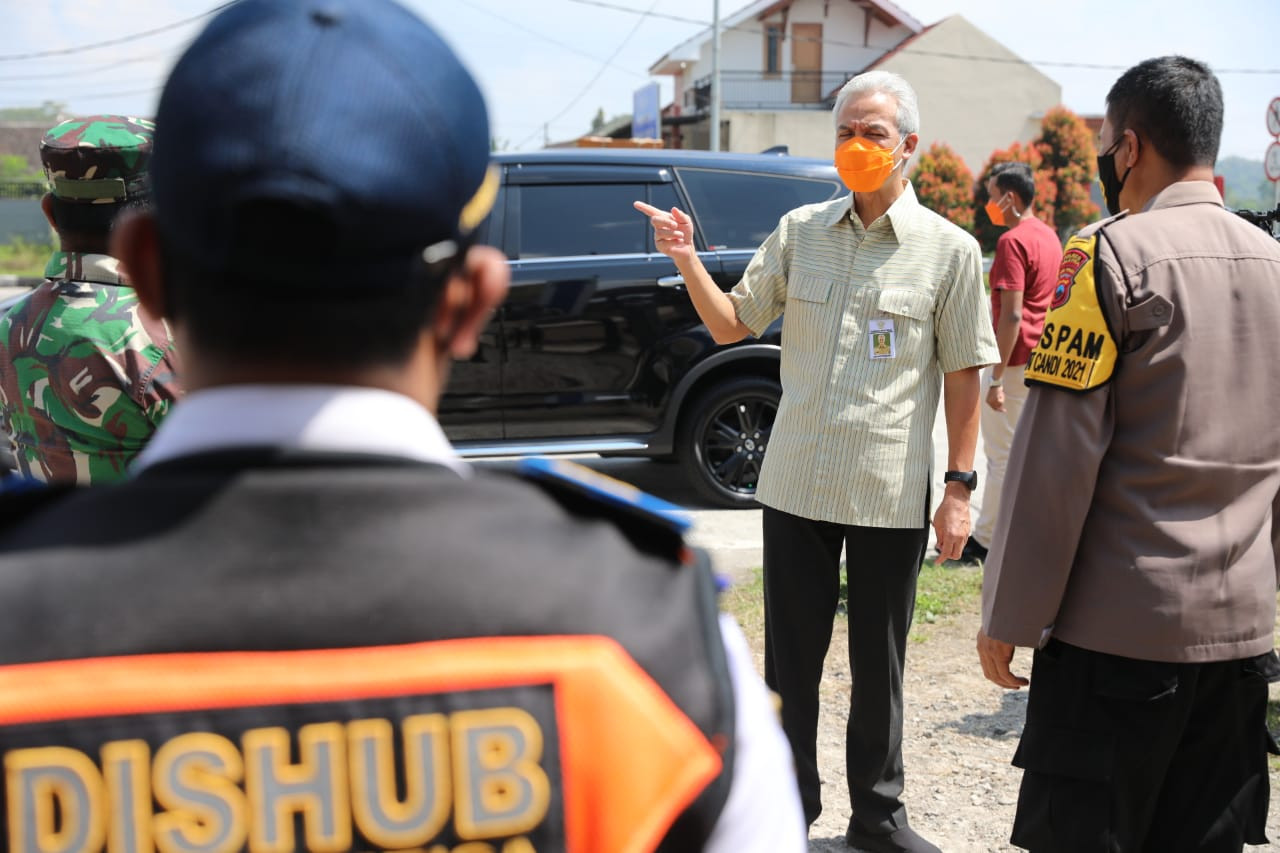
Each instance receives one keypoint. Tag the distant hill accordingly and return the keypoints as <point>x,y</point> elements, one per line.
<point>1246,185</point>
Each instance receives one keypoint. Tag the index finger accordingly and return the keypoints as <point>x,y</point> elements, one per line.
<point>648,209</point>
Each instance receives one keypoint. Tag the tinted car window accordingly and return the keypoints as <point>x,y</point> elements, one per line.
<point>559,220</point>
<point>663,197</point>
<point>739,210</point>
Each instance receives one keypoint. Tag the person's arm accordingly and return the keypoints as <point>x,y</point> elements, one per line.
<point>1053,468</point>
<point>1007,331</point>
<point>965,344</point>
<point>1008,278</point>
<point>1058,448</point>
<point>159,387</point>
<point>673,237</point>
<point>960,390</point>
<point>763,809</point>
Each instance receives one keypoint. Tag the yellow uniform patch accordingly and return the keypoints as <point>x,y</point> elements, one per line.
<point>1076,349</point>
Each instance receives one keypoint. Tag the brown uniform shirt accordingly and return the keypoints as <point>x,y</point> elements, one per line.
<point>1141,517</point>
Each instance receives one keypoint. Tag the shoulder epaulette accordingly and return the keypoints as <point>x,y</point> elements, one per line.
<point>1094,227</point>
<point>652,524</point>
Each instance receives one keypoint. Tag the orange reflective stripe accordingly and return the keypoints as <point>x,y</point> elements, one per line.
<point>632,760</point>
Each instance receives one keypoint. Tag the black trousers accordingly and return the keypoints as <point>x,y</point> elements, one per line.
<point>1122,755</point>
<point>801,591</point>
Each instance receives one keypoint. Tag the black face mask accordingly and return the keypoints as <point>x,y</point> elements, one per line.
<point>1111,185</point>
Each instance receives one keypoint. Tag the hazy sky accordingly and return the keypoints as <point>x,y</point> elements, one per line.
<point>547,66</point>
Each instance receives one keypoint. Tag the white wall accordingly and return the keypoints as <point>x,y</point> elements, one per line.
<point>975,107</point>
<point>806,133</point>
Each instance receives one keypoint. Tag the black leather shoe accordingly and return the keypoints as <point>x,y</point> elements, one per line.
<point>974,552</point>
<point>904,840</point>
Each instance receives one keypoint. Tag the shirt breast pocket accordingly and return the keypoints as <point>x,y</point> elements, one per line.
<point>809,288</point>
<point>912,315</point>
<point>809,311</point>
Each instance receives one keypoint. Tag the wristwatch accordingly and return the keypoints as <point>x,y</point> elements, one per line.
<point>969,478</point>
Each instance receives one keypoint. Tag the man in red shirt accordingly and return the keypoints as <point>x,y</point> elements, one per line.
<point>1022,281</point>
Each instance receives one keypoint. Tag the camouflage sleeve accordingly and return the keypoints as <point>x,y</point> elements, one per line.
<point>85,382</point>
<point>8,461</point>
<point>156,383</point>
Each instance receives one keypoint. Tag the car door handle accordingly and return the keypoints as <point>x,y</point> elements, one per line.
<point>671,281</point>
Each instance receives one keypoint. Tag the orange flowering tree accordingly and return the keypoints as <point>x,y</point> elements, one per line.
<point>1069,156</point>
<point>943,183</point>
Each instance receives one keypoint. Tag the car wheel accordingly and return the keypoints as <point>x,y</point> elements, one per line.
<point>723,440</point>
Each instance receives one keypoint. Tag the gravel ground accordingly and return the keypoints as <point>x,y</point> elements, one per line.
<point>959,735</point>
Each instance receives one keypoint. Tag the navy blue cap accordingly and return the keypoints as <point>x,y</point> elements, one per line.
<point>355,111</point>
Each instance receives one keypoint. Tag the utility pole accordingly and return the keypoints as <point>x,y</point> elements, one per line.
<point>715,76</point>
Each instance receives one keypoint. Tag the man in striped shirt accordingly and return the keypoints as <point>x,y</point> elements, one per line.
<point>885,312</point>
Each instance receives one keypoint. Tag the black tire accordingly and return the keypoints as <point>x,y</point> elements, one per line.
<point>723,439</point>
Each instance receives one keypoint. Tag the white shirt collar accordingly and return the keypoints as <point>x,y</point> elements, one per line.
<point>327,418</point>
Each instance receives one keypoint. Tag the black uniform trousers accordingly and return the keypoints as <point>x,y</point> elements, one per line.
<point>801,592</point>
<point>1130,756</point>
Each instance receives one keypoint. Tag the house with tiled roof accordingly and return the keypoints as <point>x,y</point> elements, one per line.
<point>783,61</point>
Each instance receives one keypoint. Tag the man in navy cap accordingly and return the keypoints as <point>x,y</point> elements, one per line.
<point>304,623</point>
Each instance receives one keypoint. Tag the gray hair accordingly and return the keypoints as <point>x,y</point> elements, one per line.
<point>890,84</point>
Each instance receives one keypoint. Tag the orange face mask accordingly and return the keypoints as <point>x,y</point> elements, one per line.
<point>863,165</point>
<point>994,213</point>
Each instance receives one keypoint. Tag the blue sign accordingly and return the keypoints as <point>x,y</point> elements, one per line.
<point>646,119</point>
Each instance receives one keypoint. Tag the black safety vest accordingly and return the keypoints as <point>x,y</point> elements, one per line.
<point>256,651</point>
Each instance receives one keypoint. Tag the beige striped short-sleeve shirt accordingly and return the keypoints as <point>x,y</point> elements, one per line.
<point>873,318</point>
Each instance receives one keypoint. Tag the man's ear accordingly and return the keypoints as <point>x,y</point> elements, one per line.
<point>135,242</point>
<point>46,205</point>
<point>909,145</point>
<point>1134,149</point>
<point>469,300</point>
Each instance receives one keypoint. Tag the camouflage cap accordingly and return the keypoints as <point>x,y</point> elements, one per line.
<point>99,159</point>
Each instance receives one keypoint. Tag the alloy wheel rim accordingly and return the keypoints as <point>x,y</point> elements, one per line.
<point>733,444</point>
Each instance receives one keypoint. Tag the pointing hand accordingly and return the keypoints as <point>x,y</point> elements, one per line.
<point>672,231</point>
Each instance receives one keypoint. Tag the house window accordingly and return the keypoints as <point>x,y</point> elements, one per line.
<point>772,49</point>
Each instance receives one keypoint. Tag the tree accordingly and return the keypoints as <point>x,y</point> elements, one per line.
<point>15,167</point>
<point>943,183</point>
<point>1069,157</point>
<point>1043,204</point>
<point>598,122</point>
<point>50,113</point>
<point>1245,183</point>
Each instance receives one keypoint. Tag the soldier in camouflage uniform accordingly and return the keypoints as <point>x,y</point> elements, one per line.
<point>85,375</point>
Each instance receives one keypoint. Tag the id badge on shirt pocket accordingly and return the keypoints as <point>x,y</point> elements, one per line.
<point>880,339</point>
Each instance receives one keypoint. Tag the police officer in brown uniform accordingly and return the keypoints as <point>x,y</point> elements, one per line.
<point>1136,547</point>
<point>302,623</point>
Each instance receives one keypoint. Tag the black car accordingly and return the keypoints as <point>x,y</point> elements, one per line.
<point>598,349</point>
